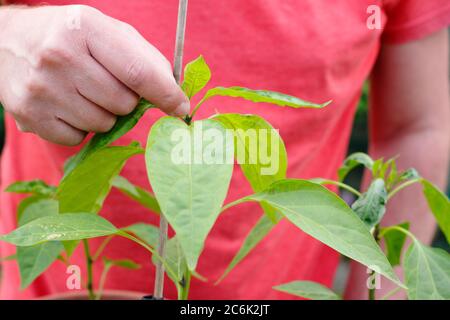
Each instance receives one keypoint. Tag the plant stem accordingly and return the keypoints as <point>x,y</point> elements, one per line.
<point>376,236</point>
<point>177,68</point>
<point>401,187</point>
<point>342,186</point>
<point>184,292</point>
<point>391,293</point>
<point>101,248</point>
<point>102,281</point>
<point>90,285</point>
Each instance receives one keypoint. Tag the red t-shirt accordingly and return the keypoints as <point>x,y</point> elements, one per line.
<point>314,49</point>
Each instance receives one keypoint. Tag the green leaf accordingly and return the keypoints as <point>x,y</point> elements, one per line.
<point>371,206</point>
<point>37,187</point>
<point>409,174</point>
<point>146,232</point>
<point>189,168</point>
<point>36,209</point>
<point>440,206</point>
<point>122,263</point>
<point>256,234</point>
<point>271,97</point>
<point>308,289</point>
<point>352,161</point>
<point>393,176</point>
<point>395,240</point>
<point>100,140</point>
<point>69,226</point>
<point>376,168</point>
<point>385,168</point>
<point>323,215</point>
<point>136,193</point>
<point>34,260</point>
<point>427,272</point>
<point>196,76</point>
<point>86,187</point>
<point>254,136</point>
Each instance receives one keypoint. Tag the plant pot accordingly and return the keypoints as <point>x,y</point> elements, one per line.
<point>107,295</point>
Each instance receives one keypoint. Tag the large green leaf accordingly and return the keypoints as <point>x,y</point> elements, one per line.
<point>440,206</point>
<point>427,272</point>
<point>395,240</point>
<point>308,289</point>
<point>34,260</point>
<point>37,187</point>
<point>100,140</point>
<point>371,205</point>
<point>266,96</point>
<point>352,161</point>
<point>136,193</point>
<point>85,188</point>
<point>60,227</point>
<point>196,76</point>
<point>259,150</point>
<point>323,215</point>
<point>189,169</point>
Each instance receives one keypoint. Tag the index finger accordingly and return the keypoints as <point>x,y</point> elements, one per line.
<point>139,65</point>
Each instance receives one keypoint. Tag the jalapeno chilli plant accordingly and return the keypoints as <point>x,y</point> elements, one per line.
<point>53,220</point>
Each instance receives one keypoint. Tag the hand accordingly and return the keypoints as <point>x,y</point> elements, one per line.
<point>69,70</point>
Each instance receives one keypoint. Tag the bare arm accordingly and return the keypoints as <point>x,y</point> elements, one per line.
<point>409,117</point>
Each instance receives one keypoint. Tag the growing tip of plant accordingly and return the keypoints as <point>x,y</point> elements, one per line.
<point>187,119</point>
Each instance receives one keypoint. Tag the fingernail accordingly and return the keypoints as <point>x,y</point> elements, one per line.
<point>182,110</point>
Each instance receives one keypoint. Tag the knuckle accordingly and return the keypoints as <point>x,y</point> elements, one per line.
<point>52,54</point>
<point>126,27</point>
<point>105,123</point>
<point>88,10</point>
<point>135,73</point>
<point>34,86</point>
<point>126,104</point>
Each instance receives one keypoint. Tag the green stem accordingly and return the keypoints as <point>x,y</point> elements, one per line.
<point>101,247</point>
<point>102,281</point>
<point>168,269</point>
<point>194,111</point>
<point>341,185</point>
<point>376,236</point>
<point>184,292</point>
<point>233,203</point>
<point>90,285</point>
<point>401,187</point>
<point>391,293</point>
